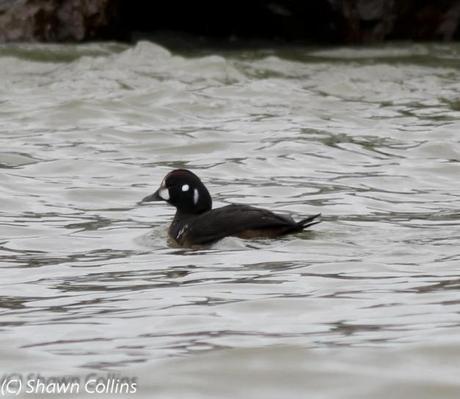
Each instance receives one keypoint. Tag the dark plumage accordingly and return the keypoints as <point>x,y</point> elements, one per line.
<point>196,223</point>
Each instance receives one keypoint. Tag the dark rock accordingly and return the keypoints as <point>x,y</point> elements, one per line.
<point>56,20</point>
<point>377,20</point>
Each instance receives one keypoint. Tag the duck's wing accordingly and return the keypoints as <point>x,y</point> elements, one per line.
<point>239,220</point>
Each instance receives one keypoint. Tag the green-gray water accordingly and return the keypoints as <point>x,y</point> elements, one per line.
<point>365,305</point>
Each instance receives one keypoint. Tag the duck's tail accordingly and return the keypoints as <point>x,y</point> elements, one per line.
<point>309,221</point>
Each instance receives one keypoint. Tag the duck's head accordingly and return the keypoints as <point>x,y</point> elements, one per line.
<point>184,190</point>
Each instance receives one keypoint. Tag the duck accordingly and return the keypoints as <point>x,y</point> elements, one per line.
<point>196,223</point>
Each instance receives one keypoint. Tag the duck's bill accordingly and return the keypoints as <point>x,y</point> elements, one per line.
<point>153,197</point>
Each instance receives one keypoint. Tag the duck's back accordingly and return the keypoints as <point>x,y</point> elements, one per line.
<point>235,220</point>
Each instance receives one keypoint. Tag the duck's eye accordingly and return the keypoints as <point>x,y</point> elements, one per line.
<point>185,187</point>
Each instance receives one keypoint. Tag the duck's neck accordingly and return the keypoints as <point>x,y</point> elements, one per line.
<point>182,217</point>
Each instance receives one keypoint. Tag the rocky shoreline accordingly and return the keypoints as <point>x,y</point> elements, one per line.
<point>314,21</point>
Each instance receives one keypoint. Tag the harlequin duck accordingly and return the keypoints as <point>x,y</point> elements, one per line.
<point>196,223</point>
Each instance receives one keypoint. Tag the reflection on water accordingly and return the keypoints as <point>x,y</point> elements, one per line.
<point>367,137</point>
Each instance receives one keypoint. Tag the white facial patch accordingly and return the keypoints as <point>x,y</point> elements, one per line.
<point>164,194</point>
<point>185,187</point>
<point>195,196</point>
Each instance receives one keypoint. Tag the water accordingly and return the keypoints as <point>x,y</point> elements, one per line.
<point>366,304</point>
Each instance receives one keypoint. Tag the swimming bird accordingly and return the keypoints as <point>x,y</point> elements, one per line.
<point>196,223</point>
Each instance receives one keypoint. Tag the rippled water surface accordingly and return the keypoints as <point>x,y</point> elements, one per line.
<point>365,304</point>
